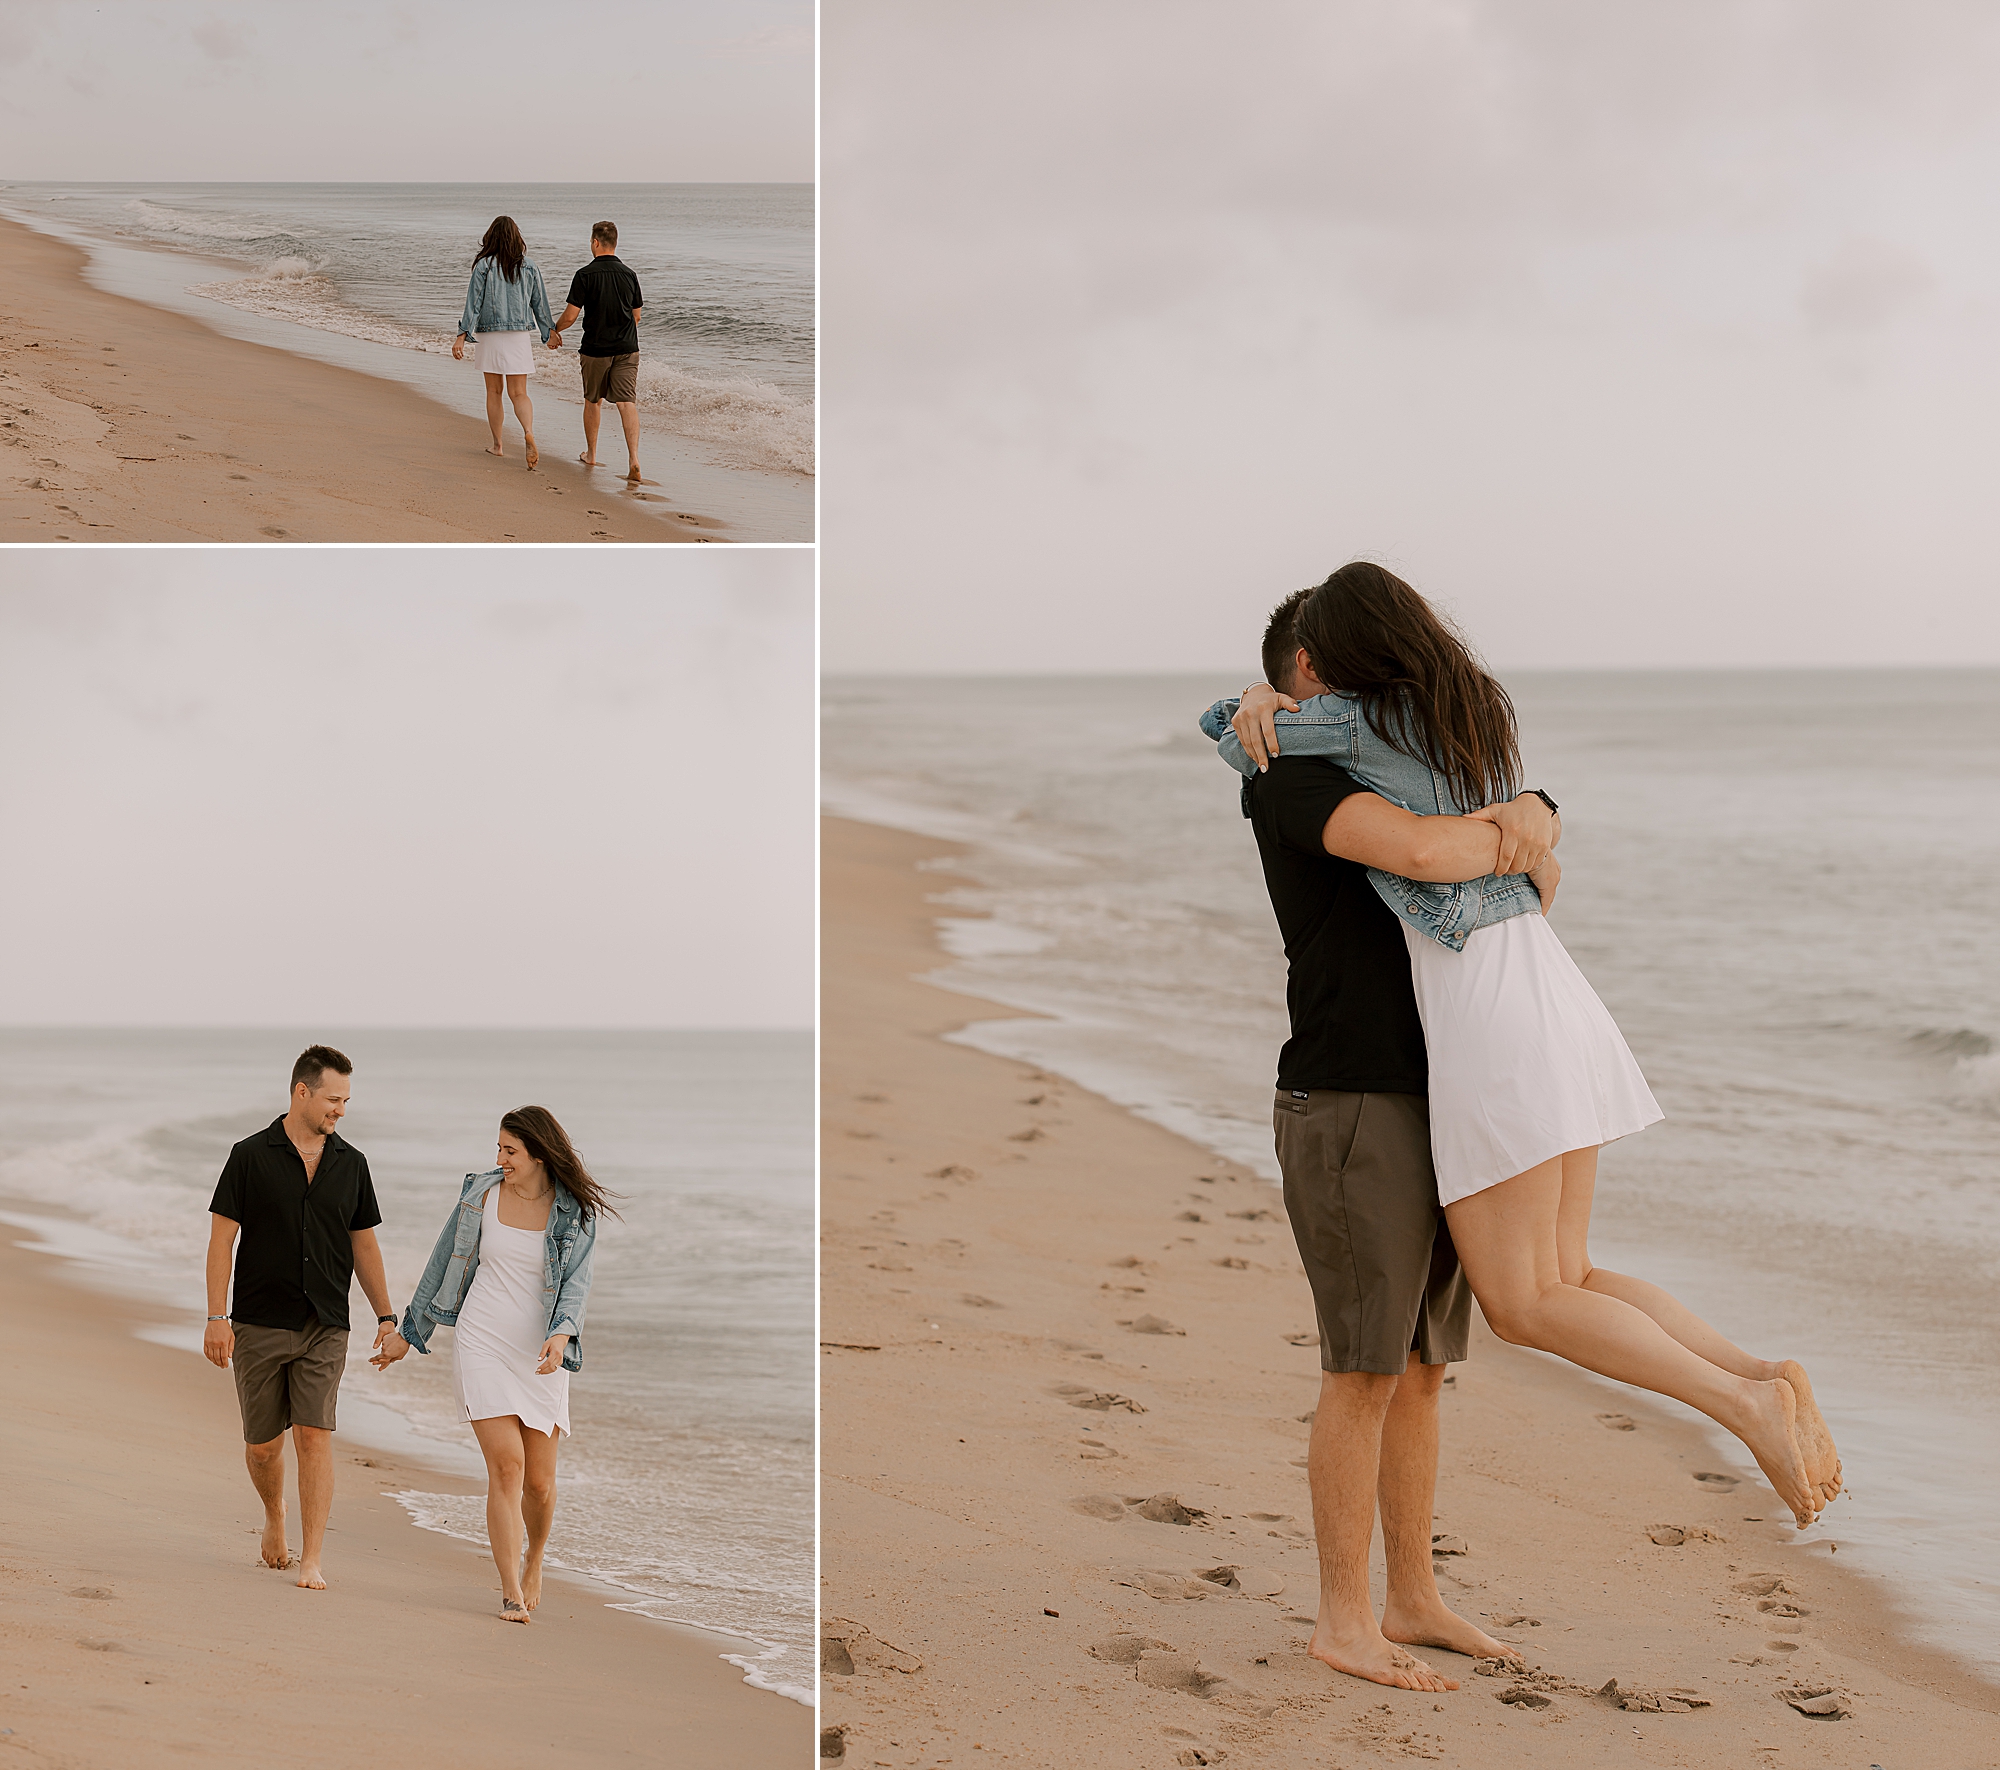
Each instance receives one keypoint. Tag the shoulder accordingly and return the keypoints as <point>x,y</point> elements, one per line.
<point>335,1141</point>
<point>245,1148</point>
<point>478,1182</point>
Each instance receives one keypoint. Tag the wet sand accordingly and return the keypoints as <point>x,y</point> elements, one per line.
<point>121,422</point>
<point>139,1628</point>
<point>995,1415</point>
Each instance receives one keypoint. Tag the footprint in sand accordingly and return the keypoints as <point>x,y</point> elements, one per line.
<point>976,1301</point>
<point>1301,1339</point>
<point>243,476</point>
<point>1260,1215</point>
<point>1233,1264</point>
<point>1618,1422</point>
<point>92,1592</point>
<point>1189,1217</point>
<point>1153,1324</point>
<point>1718,1483</point>
<point>1781,1607</point>
<point>953,1171</point>
<point>1672,1536</point>
<point>1763,1585</point>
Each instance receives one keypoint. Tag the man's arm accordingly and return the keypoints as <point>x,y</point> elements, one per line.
<point>570,315</point>
<point>218,1338</point>
<point>374,1279</point>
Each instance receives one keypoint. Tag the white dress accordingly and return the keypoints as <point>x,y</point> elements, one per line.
<point>505,353</point>
<point>1525,1061</point>
<point>502,1328</point>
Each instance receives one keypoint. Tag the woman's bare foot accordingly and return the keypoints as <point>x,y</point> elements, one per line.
<point>531,1586</point>
<point>534,454</point>
<point>499,452</point>
<point>1771,1430</point>
<point>273,1546</point>
<point>1377,1659</point>
<point>1438,1626</point>
<point>310,1576</point>
<point>1822,1459</point>
<point>513,1610</point>
<point>587,458</point>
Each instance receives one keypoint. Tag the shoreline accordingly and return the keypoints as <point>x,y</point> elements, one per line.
<point>243,442</point>
<point>138,1616</point>
<point>995,1236</point>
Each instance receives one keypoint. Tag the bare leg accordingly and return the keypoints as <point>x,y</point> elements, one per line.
<point>628,415</point>
<point>1579,1183</point>
<point>500,1442</point>
<point>1415,1613</point>
<point>593,410</point>
<point>1506,1238</point>
<point>1343,1463</point>
<point>538,1508</point>
<point>496,416</point>
<point>266,1463</point>
<point>524,409</point>
<point>314,1446</point>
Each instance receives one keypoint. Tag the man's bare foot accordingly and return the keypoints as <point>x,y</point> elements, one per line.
<point>310,1576</point>
<point>1441,1627</point>
<point>499,452</point>
<point>1378,1660</point>
<point>273,1546</point>
<point>1772,1433</point>
<point>534,454</point>
<point>531,1587</point>
<point>588,459</point>
<point>632,474</point>
<point>1822,1459</point>
<point>513,1610</point>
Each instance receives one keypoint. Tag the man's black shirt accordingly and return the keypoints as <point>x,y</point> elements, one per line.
<point>1354,1014</point>
<point>607,291</point>
<point>294,1260</point>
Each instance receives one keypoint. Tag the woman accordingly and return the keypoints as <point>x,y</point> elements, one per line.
<point>511,1271</point>
<point>1529,1074</point>
<point>504,302</point>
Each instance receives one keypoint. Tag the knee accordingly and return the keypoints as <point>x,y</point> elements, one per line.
<point>539,1488</point>
<point>264,1455</point>
<point>313,1441</point>
<point>1511,1318</point>
<point>1424,1380</point>
<point>507,1474</point>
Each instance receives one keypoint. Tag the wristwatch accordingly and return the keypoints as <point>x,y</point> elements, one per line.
<point>1545,799</point>
<point>218,1318</point>
<point>380,1319</point>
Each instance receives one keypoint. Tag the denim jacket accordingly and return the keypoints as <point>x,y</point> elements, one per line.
<point>492,304</point>
<point>567,1244</point>
<point>1333,726</point>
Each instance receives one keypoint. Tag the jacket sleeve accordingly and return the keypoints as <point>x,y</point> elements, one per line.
<point>468,321</point>
<point>538,299</point>
<point>416,1326</point>
<point>1216,720</point>
<point>575,1293</point>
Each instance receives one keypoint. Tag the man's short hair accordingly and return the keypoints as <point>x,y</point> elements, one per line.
<point>1281,641</point>
<point>314,1061</point>
<point>605,231</point>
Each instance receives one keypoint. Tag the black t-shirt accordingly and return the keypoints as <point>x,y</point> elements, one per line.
<point>607,291</point>
<point>294,1261</point>
<point>1354,1014</point>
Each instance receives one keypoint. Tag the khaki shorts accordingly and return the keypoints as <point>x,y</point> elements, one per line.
<point>1362,1196</point>
<point>287,1377</point>
<point>615,378</point>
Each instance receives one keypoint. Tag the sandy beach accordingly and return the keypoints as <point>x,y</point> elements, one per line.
<point>126,423</point>
<point>139,1628</point>
<point>1067,1366</point>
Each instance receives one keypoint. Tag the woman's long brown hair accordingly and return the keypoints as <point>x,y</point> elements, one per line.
<point>504,245</point>
<point>549,1144</point>
<point>1370,635</point>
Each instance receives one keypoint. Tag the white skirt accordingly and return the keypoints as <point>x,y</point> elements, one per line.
<point>504,353</point>
<point>1525,1061</point>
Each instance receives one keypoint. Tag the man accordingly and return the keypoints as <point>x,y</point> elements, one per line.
<point>606,293</point>
<point>1353,1142</point>
<point>304,1202</point>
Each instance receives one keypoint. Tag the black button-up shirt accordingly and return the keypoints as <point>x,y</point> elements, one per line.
<point>295,1260</point>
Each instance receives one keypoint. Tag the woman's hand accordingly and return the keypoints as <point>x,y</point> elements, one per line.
<point>555,340</point>
<point>1546,878</point>
<point>552,1351</point>
<point>458,348</point>
<point>1255,729</point>
<point>1528,830</point>
<point>388,1349</point>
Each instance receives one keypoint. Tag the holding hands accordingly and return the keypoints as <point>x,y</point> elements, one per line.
<point>389,1346</point>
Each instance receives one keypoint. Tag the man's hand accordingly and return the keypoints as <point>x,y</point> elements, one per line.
<point>1528,831</point>
<point>1255,729</point>
<point>218,1343</point>
<point>552,1351</point>
<point>555,339</point>
<point>389,1346</point>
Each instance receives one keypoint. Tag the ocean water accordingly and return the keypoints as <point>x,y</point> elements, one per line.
<point>374,277</point>
<point>1780,884</point>
<point>688,1482</point>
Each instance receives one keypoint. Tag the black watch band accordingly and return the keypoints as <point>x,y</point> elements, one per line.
<point>1545,799</point>
<point>382,1318</point>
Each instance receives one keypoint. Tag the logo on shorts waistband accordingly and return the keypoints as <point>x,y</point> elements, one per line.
<point>1300,1094</point>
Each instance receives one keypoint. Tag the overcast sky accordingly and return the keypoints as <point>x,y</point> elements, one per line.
<point>1635,334</point>
<point>614,91</point>
<point>409,787</point>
